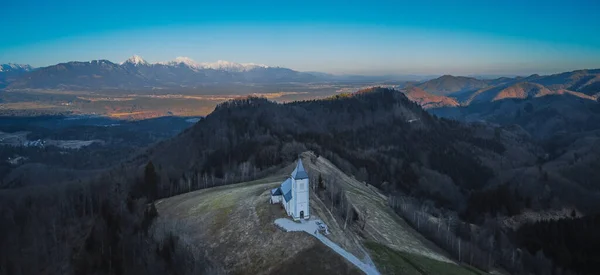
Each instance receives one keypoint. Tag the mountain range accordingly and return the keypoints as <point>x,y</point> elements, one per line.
<point>9,72</point>
<point>453,91</point>
<point>136,73</point>
<point>544,106</point>
<point>182,72</point>
<point>586,82</point>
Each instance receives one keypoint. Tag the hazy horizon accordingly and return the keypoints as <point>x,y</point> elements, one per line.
<point>432,38</point>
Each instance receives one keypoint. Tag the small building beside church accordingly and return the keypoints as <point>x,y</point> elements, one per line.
<point>293,193</point>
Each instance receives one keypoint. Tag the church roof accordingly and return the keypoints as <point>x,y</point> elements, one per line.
<point>276,192</point>
<point>287,196</point>
<point>299,173</point>
<point>286,189</point>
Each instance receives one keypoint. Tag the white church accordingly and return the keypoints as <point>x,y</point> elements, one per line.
<point>293,193</point>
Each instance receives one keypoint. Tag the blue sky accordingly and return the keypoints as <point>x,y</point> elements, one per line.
<point>364,37</point>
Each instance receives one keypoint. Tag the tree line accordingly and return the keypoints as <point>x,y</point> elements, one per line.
<point>572,243</point>
<point>486,247</point>
<point>367,134</point>
<point>102,226</point>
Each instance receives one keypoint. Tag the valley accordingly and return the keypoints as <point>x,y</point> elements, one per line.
<point>160,102</point>
<point>46,150</point>
<point>416,177</point>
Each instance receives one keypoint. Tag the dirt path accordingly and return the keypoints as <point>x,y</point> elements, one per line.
<point>234,225</point>
<point>310,227</point>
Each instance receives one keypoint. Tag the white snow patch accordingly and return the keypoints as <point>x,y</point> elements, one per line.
<point>220,65</point>
<point>182,60</point>
<point>311,228</point>
<point>15,67</point>
<point>186,60</point>
<point>136,60</point>
<point>231,66</point>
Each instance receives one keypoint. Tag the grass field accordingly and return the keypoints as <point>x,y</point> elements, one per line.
<point>235,225</point>
<point>390,261</point>
<point>143,104</point>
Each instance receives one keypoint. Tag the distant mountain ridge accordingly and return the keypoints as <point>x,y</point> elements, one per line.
<point>455,91</point>
<point>221,65</point>
<point>137,73</point>
<point>448,84</point>
<point>545,106</point>
<point>582,83</point>
<point>12,67</point>
<point>9,72</point>
<point>427,100</point>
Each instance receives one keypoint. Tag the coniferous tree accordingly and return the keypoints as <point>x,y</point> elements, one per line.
<point>321,184</point>
<point>150,181</point>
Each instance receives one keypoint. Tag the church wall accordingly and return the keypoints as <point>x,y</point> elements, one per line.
<point>301,198</point>
<point>275,199</point>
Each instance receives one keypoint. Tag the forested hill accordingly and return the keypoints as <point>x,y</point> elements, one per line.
<point>377,134</point>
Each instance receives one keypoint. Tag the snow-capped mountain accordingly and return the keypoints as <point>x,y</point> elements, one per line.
<point>231,66</point>
<point>10,72</point>
<point>135,60</point>
<point>11,67</point>
<point>220,65</point>
<point>185,61</point>
<point>137,73</point>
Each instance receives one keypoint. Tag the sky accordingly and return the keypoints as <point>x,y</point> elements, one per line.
<point>344,37</point>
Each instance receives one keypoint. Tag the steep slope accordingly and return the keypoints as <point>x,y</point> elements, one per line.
<point>448,84</point>
<point>377,134</point>
<point>384,227</point>
<point>427,100</point>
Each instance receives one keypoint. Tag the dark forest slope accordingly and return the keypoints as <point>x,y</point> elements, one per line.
<point>376,134</point>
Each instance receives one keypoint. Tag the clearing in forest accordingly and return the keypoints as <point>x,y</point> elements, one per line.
<point>234,226</point>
